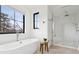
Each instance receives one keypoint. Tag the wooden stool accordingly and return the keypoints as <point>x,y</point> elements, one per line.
<point>44,45</point>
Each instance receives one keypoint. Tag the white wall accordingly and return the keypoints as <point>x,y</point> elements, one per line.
<point>28,10</point>
<point>42,32</point>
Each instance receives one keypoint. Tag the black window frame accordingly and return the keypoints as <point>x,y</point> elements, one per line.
<point>14,24</point>
<point>34,20</point>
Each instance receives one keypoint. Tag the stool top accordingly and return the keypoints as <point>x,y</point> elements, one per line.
<point>42,41</point>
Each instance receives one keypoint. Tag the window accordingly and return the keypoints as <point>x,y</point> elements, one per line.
<point>36,20</point>
<point>11,21</point>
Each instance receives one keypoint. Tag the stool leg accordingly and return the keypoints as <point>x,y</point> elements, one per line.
<point>47,48</point>
<point>42,49</point>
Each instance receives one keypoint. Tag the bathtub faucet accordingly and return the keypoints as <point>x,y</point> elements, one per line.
<point>17,31</point>
<point>20,41</point>
<point>17,34</point>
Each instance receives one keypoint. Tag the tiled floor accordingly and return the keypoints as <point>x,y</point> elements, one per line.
<point>59,50</point>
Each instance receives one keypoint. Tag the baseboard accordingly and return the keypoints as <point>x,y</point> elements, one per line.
<point>66,46</point>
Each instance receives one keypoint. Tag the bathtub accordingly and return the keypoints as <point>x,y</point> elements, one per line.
<point>28,46</point>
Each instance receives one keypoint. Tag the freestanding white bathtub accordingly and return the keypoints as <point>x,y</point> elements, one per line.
<point>28,46</point>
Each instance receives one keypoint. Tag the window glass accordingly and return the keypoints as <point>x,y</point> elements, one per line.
<point>19,25</point>
<point>7,12</point>
<point>11,20</point>
<point>18,16</point>
<point>36,23</point>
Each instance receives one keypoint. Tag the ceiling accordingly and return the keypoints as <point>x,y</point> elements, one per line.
<point>71,9</point>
